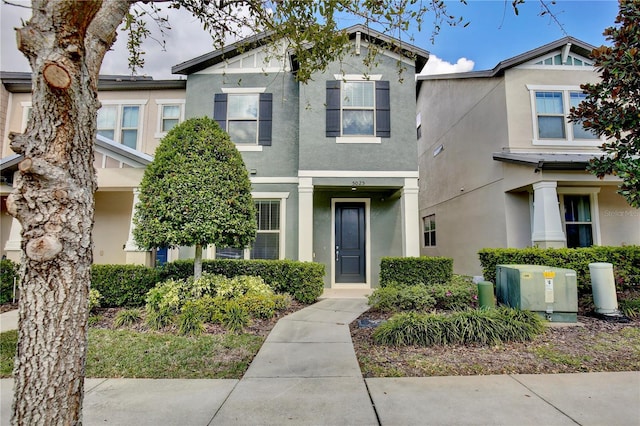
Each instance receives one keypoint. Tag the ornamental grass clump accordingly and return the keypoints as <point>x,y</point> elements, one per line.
<point>127,317</point>
<point>484,327</point>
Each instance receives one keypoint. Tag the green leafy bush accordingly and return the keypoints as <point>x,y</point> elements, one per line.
<point>485,327</point>
<point>395,298</point>
<point>303,280</point>
<point>415,270</point>
<point>625,260</point>
<point>459,293</point>
<point>8,271</point>
<point>123,285</point>
<point>127,317</point>
<point>94,299</point>
<point>212,298</point>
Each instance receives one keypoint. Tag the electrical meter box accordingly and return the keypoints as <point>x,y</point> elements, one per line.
<point>550,292</point>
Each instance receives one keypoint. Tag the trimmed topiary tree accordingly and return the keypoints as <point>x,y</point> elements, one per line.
<point>196,192</point>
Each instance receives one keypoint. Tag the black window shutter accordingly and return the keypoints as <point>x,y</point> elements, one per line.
<point>333,108</point>
<point>383,110</point>
<point>220,109</point>
<point>264,120</point>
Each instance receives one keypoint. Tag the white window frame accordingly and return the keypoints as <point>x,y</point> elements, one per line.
<point>120,104</point>
<point>248,91</point>
<point>569,140</point>
<point>353,78</point>
<point>424,231</point>
<point>271,196</point>
<point>27,106</point>
<point>161,103</point>
<point>592,192</point>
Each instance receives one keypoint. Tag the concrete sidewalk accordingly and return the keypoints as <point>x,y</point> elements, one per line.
<point>306,373</point>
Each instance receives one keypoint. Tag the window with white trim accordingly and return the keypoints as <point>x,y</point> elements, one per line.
<point>269,236</point>
<point>358,110</point>
<point>246,115</point>
<point>170,114</point>
<point>550,107</point>
<point>429,231</point>
<point>121,123</point>
<point>578,221</point>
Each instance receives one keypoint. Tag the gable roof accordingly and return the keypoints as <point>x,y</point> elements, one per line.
<point>577,46</point>
<point>372,36</point>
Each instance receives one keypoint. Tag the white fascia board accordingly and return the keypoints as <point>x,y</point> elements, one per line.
<point>359,173</point>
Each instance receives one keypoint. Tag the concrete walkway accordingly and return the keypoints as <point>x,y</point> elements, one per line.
<point>306,373</point>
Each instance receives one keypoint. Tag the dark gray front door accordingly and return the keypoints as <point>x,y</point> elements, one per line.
<point>350,253</point>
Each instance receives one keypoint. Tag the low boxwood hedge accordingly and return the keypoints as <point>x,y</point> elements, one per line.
<point>415,270</point>
<point>625,260</point>
<point>303,280</point>
<point>123,285</point>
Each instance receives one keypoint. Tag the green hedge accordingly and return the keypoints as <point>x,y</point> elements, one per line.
<point>625,260</point>
<point>303,280</point>
<point>415,270</point>
<point>123,285</point>
<point>8,271</point>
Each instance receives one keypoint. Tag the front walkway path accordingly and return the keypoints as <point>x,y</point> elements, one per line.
<point>306,373</point>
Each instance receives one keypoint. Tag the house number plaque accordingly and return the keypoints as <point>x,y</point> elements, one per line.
<point>358,183</point>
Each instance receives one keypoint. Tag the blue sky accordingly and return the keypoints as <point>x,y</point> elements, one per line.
<point>494,34</point>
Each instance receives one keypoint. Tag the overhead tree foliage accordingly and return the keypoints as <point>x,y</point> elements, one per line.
<point>612,106</point>
<point>196,192</point>
<point>53,197</point>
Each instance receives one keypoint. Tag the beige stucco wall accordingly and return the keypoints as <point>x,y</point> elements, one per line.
<point>111,229</point>
<point>5,228</point>
<point>149,120</point>
<point>619,222</point>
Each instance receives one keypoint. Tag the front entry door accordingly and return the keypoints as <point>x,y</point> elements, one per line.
<point>350,253</point>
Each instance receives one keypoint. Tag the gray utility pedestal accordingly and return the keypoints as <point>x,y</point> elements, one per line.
<point>550,292</point>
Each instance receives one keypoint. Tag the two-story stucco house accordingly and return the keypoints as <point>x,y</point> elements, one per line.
<point>136,113</point>
<point>333,162</point>
<point>501,166</point>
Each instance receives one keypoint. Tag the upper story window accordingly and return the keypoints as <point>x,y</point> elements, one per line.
<point>121,123</point>
<point>358,110</point>
<point>170,114</point>
<point>550,107</point>
<point>246,116</point>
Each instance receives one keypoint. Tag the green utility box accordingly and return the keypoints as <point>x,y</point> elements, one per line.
<point>550,292</point>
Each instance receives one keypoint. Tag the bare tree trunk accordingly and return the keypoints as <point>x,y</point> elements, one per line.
<point>197,262</point>
<point>53,200</point>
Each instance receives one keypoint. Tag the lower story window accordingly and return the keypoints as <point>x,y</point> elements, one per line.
<point>578,221</point>
<point>267,243</point>
<point>429,230</point>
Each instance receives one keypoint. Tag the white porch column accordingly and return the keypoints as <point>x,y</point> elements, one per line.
<point>13,247</point>
<point>133,254</point>
<point>410,219</point>
<point>305,219</point>
<point>547,223</point>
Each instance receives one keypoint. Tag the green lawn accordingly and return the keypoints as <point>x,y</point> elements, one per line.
<point>125,353</point>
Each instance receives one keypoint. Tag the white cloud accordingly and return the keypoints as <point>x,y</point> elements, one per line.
<point>436,65</point>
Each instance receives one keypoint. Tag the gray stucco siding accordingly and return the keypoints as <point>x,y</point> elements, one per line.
<point>399,152</point>
<point>279,159</point>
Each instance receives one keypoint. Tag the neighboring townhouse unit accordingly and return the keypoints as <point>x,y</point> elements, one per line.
<point>136,112</point>
<point>501,166</point>
<point>333,162</point>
